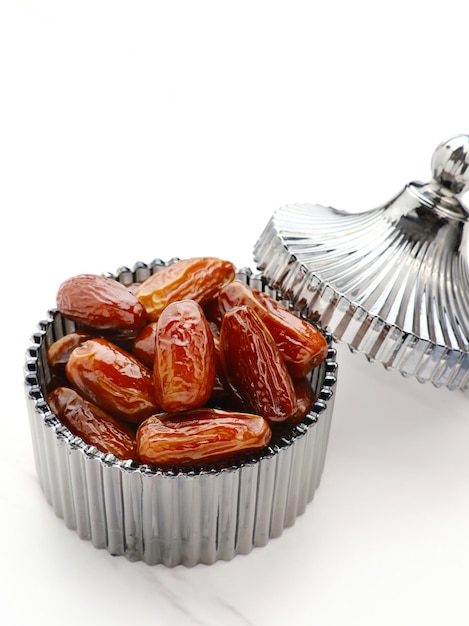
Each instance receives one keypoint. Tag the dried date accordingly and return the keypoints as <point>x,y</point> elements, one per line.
<point>200,435</point>
<point>254,367</point>
<point>60,350</point>
<point>99,302</point>
<point>184,368</point>
<point>199,279</point>
<point>302,345</point>
<point>112,379</point>
<point>143,346</point>
<point>86,420</point>
<point>305,399</point>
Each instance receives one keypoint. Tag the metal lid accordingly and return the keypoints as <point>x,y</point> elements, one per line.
<point>391,282</point>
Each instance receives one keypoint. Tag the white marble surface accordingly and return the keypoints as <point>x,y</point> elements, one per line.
<point>134,130</point>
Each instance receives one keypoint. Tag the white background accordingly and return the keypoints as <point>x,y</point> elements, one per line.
<point>136,130</point>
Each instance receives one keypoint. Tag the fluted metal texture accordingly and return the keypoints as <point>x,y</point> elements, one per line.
<point>393,282</point>
<point>174,516</point>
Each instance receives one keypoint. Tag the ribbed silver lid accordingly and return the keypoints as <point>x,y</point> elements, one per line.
<point>391,282</point>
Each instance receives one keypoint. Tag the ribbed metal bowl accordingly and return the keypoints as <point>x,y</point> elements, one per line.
<point>174,516</point>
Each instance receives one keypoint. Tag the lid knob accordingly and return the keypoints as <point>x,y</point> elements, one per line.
<point>450,164</point>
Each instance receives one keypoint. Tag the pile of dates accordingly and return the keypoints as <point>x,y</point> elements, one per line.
<point>188,367</point>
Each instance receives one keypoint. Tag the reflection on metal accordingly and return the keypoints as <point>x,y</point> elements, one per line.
<point>391,282</point>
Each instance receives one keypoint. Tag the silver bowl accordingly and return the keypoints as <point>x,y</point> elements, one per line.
<point>174,516</point>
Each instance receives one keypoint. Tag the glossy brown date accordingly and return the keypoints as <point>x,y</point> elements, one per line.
<point>305,399</point>
<point>112,379</point>
<point>184,369</point>
<point>59,352</point>
<point>254,367</point>
<point>302,345</point>
<point>143,346</point>
<point>199,279</point>
<point>200,435</point>
<point>86,420</point>
<point>99,302</point>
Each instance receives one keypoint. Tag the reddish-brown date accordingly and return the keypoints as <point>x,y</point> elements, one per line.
<point>99,302</point>
<point>86,420</point>
<point>143,347</point>
<point>59,352</point>
<point>212,311</point>
<point>113,379</point>
<point>199,279</point>
<point>184,369</point>
<point>302,345</point>
<point>254,367</point>
<point>200,435</point>
<point>222,395</point>
<point>305,399</point>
